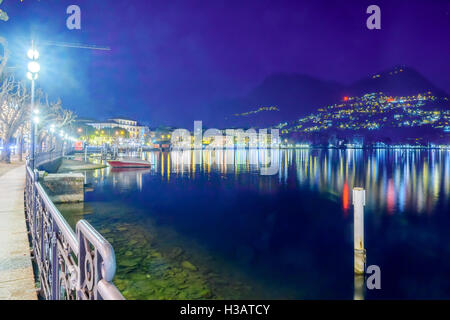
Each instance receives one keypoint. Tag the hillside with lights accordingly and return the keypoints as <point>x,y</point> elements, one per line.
<point>395,106</point>
<point>376,117</point>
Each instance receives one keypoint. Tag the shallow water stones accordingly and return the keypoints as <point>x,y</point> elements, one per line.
<point>187,265</point>
<point>176,252</point>
<point>129,262</point>
<point>151,269</point>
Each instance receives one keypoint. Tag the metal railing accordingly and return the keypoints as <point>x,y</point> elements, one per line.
<point>49,156</point>
<point>72,266</point>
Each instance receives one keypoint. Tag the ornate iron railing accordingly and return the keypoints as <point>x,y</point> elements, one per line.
<point>71,265</point>
<point>49,156</point>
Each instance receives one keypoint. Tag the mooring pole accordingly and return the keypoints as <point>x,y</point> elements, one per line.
<point>358,232</point>
<point>359,200</point>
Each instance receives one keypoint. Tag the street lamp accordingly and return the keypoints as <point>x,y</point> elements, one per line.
<point>32,75</point>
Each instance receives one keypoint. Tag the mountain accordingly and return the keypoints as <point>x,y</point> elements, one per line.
<point>398,81</point>
<point>286,97</point>
<point>294,95</point>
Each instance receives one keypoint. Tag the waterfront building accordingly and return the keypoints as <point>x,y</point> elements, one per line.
<point>137,132</point>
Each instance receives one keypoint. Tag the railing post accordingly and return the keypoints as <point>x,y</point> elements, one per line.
<point>34,180</point>
<point>358,231</point>
<point>55,267</point>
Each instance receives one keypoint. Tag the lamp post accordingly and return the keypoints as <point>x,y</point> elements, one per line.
<point>32,74</point>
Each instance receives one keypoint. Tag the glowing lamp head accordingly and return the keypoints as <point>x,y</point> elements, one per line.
<point>33,54</point>
<point>36,120</point>
<point>34,67</point>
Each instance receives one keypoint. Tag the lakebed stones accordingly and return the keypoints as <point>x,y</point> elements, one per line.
<point>187,265</point>
<point>150,262</point>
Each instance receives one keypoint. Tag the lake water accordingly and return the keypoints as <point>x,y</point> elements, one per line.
<point>208,225</point>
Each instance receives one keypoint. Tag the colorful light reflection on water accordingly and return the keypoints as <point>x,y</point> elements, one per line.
<point>395,180</point>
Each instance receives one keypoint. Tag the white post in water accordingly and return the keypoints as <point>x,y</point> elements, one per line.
<point>358,232</point>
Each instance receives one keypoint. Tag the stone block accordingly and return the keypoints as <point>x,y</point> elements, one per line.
<point>64,187</point>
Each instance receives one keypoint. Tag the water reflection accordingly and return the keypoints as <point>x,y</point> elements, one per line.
<point>396,180</point>
<point>287,235</point>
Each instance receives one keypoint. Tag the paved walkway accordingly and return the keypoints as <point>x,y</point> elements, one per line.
<point>16,273</point>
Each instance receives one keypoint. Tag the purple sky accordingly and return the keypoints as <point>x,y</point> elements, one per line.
<point>168,57</point>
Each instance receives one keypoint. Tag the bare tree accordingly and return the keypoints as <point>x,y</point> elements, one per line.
<point>5,55</point>
<point>51,113</point>
<point>14,111</point>
<point>3,14</point>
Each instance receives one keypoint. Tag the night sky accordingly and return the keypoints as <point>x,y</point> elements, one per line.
<point>168,58</point>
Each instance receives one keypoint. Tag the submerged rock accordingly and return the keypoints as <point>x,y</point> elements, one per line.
<point>187,265</point>
<point>132,262</point>
<point>176,252</point>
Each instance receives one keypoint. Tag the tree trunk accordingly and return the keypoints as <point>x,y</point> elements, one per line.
<point>20,146</point>
<point>6,152</point>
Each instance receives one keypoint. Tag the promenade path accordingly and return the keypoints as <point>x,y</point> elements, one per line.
<point>16,273</point>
